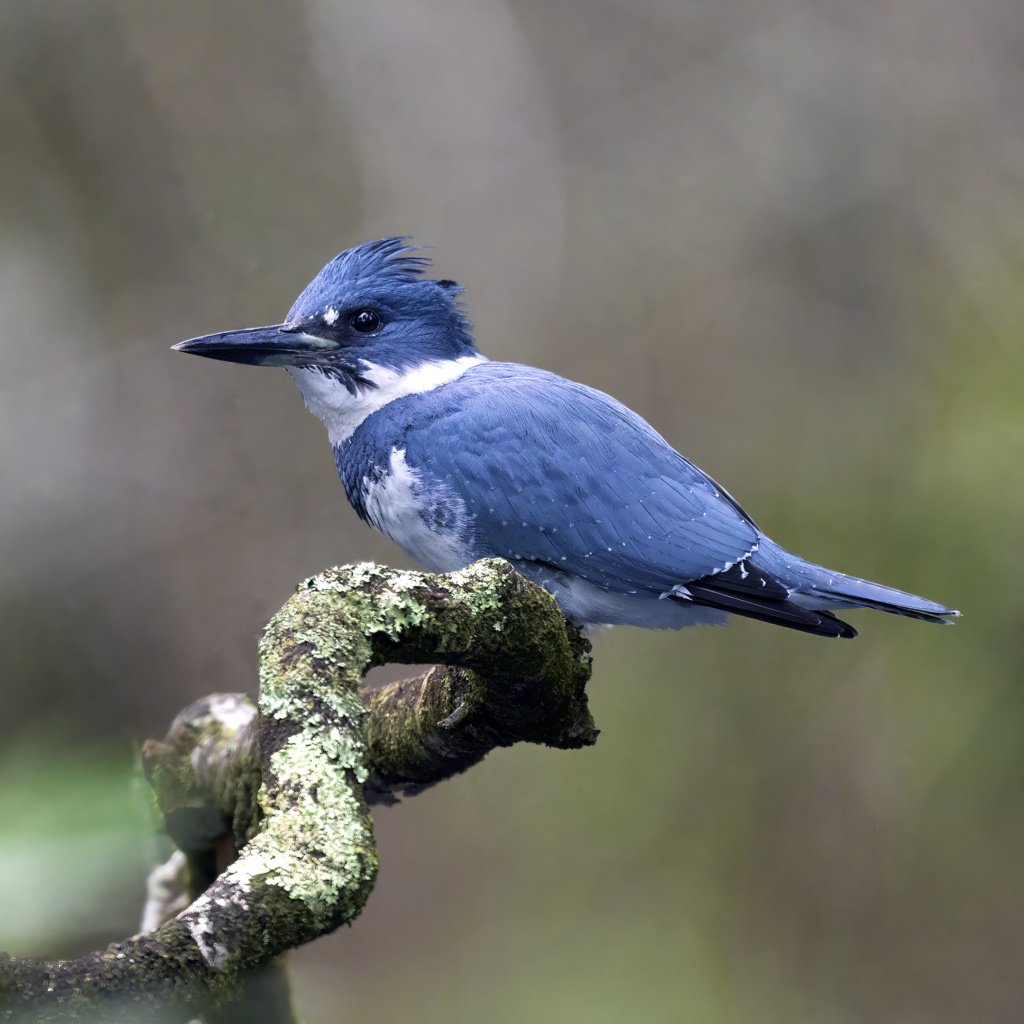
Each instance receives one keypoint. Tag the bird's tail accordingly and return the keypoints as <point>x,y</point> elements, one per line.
<point>814,586</point>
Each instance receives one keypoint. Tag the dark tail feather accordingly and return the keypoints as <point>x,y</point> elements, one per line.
<point>744,589</point>
<point>779,613</point>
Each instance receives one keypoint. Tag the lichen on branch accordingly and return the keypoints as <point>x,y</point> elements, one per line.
<point>288,790</point>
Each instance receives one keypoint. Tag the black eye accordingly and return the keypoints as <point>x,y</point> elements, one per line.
<point>365,320</point>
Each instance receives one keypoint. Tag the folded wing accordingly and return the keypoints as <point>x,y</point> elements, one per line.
<point>558,473</point>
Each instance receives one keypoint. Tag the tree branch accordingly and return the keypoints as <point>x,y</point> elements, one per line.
<point>307,859</point>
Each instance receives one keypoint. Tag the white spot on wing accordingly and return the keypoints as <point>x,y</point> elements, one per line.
<point>729,565</point>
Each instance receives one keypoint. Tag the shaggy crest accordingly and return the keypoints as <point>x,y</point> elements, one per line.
<point>386,263</point>
<point>387,257</point>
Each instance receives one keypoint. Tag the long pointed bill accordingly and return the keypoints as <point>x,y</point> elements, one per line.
<point>261,346</point>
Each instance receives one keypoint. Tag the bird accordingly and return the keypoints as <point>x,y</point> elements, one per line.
<point>457,458</point>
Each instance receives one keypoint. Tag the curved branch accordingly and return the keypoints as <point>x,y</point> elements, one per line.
<point>518,673</point>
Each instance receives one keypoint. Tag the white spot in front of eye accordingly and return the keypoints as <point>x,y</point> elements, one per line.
<point>330,315</point>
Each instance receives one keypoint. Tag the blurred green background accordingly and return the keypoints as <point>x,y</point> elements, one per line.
<point>790,234</point>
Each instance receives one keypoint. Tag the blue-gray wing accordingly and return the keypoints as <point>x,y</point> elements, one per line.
<point>555,472</point>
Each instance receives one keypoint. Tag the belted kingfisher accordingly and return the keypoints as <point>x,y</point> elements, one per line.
<point>456,458</point>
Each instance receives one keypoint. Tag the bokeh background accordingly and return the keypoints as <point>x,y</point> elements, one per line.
<point>789,233</point>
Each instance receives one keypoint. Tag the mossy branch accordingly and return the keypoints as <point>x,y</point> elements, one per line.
<point>287,790</point>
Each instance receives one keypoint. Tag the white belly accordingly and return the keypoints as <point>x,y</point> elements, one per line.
<point>428,521</point>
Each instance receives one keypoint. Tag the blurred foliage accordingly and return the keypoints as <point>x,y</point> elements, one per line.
<point>74,847</point>
<point>789,234</point>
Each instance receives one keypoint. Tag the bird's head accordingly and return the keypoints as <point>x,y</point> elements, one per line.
<point>369,308</point>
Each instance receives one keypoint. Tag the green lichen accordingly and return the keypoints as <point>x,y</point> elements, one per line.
<point>313,661</point>
<point>320,848</point>
<point>318,844</point>
<point>479,579</point>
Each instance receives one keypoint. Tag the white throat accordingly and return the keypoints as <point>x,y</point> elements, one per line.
<point>342,412</point>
